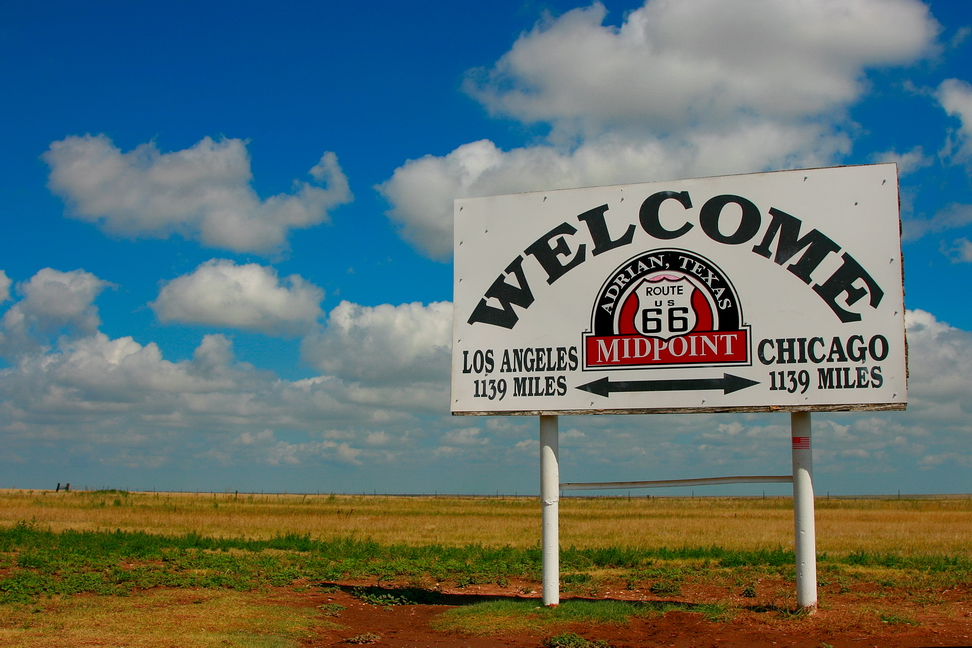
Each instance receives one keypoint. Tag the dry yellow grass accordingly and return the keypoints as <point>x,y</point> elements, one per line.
<point>168,618</point>
<point>928,526</point>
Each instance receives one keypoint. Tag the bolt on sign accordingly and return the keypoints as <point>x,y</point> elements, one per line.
<point>771,291</point>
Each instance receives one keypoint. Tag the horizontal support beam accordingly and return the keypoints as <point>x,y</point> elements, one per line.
<point>663,483</point>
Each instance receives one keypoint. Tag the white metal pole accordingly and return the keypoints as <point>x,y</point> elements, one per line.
<point>803,516</point>
<point>550,499</point>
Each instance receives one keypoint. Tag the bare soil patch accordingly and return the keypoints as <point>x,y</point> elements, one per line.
<point>894,619</point>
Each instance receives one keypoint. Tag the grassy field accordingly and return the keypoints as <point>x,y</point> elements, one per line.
<point>225,552</point>
<point>908,526</point>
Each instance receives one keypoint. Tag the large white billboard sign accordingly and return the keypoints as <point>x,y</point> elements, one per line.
<point>773,291</point>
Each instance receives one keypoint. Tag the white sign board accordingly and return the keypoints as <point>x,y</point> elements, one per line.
<point>772,291</point>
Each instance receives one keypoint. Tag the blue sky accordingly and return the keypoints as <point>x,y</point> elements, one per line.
<point>227,250</point>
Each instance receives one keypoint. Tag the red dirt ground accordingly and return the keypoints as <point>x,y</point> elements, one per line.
<point>844,620</point>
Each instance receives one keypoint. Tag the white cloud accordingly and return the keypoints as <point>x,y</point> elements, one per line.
<point>250,296</point>
<point>55,298</point>
<point>907,162</point>
<point>95,380</point>
<point>936,423</point>
<point>98,369</point>
<point>202,192</point>
<point>253,438</point>
<point>385,344</point>
<point>86,388</point>
<point>465,437</point>
<point>955,96</point>
<point>421,191</point>
<point>680,89</point>
<point>137,409</point>
<point>383,400</point>
<point>54,303</point>
<point>952,216</point>
<point>672,65</point>
<point>960,251</point>
<point>378,438</point>
<point>264,447</point>
<point>940,369</point>
<point>96,385</point>
<point>940,461</point>
<point>5,283</point>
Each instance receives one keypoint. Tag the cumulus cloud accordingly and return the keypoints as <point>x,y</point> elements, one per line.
<point>120,403</point>
<point>672,65</point>
<point>67,380</point>
<point>952,216</point>
<point>465,437</point>
<point>960,251</point>
<point>201,193</point>
<point>935,428</point>
<point>53,303</point>
<point>141,410</point>
<point>955,96</point>
<point>940,367</point>
<point>422,191</point>
<point>95,384</point>
<point>250,296</point>
<point>105,371</point>
<point>266,448</point>
<point>5,283</point>
<point>103,386</point>
<point>908,162</point>
<point>680,89</point>
<point>53,298</point>
<point>385,344</point>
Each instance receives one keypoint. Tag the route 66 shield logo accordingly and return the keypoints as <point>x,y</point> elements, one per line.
<point>664,307</point>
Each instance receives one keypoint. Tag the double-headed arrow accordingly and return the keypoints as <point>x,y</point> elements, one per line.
<point>728,384</point>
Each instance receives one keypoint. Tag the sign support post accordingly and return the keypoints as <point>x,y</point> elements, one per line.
<point>550,500</point>
<point>803,515</point>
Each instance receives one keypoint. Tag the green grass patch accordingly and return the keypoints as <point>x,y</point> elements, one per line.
<point>365,638</point>
<point>923,562</point>
<point>39,562</point>
<point>528,616</point>
<point>894,618</point>
<point>571,640</point>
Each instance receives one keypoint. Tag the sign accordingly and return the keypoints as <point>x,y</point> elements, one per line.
<point>773,291</point>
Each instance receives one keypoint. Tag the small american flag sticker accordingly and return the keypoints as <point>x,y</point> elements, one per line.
<point>801,443</point>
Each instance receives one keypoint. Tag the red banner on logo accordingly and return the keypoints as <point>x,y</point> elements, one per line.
<point>707,347</point>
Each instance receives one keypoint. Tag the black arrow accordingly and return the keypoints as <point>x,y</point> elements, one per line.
<point>728,383</point>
